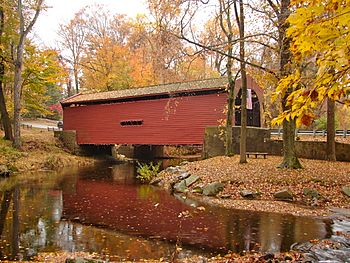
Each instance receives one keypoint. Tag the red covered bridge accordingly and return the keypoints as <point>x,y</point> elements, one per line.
<point>170,114</point>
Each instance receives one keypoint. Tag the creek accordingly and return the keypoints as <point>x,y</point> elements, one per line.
<point>103,209</point>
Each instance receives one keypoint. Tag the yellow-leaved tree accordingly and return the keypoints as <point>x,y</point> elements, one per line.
<point>320,35</point>
<point>42,77</point>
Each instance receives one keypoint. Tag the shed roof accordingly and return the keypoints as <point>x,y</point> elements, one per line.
<point>173,88</point>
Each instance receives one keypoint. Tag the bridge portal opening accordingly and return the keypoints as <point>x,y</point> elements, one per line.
<point>253,109</point>
<point>96,150</point>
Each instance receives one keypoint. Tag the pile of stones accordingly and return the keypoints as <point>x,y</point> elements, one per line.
<point>181,181</point>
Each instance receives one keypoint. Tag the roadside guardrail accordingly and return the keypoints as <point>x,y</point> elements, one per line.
<point>343,133</point>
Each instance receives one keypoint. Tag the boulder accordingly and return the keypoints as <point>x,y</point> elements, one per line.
<point>213,189</point>
<point>197,189</point>
<point>284,195</point>
<point>248,194</point>
<point>173,169</point>
<point>180,187</point>
<point>346,190</point>
<point>156,181</point>
<point>191,180</point>
<point>225,196</point>
<point>4,171</point>
<point>183,175</point>
<point>311,193</point>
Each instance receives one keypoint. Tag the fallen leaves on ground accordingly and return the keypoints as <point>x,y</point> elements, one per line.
<point>263,176</point>
<point>61,257</point>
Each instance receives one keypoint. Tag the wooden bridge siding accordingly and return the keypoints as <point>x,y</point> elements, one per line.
<point>173,121</point>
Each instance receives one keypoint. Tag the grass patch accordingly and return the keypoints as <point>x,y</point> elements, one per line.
<point>40,150</point>
<point>8,154</point>
<point>146,172</point>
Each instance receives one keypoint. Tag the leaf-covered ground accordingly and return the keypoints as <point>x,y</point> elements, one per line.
<point>65,257</point>
<point>40,150</point>
<point>263,176</point>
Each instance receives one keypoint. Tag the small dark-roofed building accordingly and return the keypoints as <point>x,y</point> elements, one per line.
<point>169,114</point>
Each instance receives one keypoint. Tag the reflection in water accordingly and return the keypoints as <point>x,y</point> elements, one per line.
<point>102,210</point>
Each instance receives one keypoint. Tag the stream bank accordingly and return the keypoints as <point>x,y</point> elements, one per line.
<point>311,191</point>
<point>319,190</point>
<point>40,151</point>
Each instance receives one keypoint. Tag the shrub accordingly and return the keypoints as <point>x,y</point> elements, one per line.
<point>146,172</point>
<point>321,123</point>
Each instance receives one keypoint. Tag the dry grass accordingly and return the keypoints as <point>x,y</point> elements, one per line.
<point>40,150</point>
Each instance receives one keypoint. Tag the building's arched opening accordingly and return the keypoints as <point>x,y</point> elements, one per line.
<point>253,114</point>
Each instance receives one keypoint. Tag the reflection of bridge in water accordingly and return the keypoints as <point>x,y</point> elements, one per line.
<point>107,198</point>
<point>149,212</point>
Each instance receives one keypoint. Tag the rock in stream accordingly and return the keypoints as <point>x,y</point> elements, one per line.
<point>335,249</point>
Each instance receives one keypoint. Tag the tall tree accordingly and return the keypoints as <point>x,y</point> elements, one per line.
<point>5,119</point>
<point>73,38</point>
<point>26,23</point>
<point>106,67</point>
<point>290,159</point>
<point>221,41</point>
<point>111,59</point>
<point>319,32</point>
<point>243,139</point>
<point>164,44</point>
<point>42,75</point>
<point>227,29</point>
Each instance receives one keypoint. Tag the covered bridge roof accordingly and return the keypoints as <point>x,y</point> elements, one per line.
<point>173,88</point>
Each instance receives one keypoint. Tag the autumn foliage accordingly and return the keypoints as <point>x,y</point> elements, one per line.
<point>117,52</point>
<point>320,36</point>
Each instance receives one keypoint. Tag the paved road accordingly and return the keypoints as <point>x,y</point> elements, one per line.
<point>40,125</point>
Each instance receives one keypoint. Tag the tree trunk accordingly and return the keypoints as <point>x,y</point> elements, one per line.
<point>76,79</point>
<point>17,90</point>
<point>69,88</point>
<point>290,159</point>
<point>230,111</point>
<point>243,139</point>
<point>5,119</point>
<point>230,115</point>
<point>225,9</point>
<point>17,94</point>
<point>331,156</point>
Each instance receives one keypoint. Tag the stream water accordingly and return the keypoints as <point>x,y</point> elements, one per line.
<point>104,210</point>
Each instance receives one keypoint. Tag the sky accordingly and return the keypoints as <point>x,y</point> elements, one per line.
<point>62,11</point>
